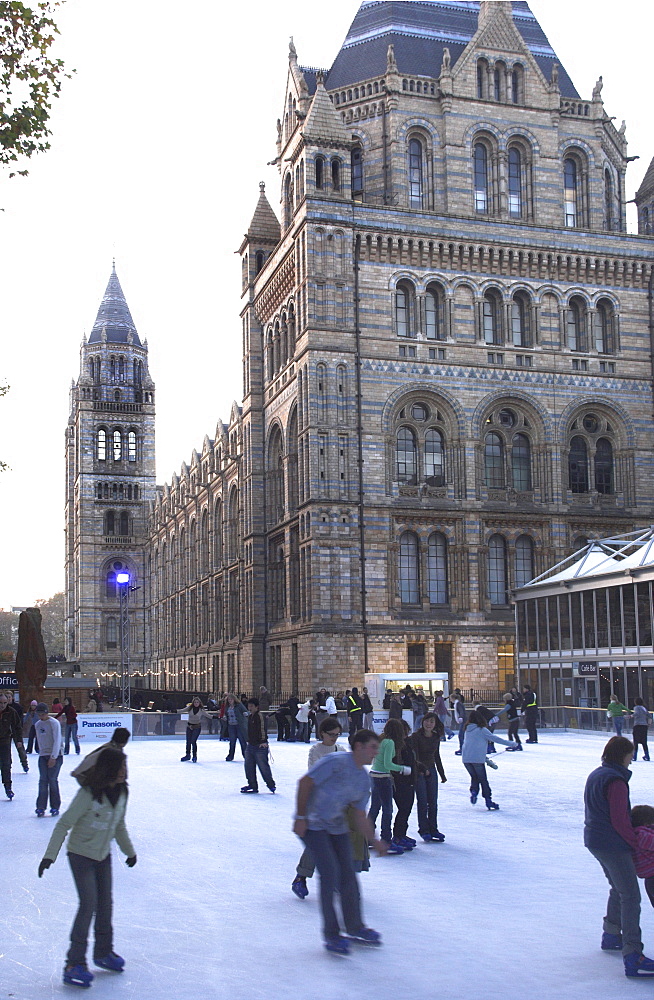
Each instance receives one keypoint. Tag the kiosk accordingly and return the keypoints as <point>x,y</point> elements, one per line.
<point>379,684</point>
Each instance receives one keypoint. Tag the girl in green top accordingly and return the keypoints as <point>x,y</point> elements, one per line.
<point>382,783</point>
<point>615,710</point>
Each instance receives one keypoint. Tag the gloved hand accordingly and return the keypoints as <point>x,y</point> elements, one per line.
<point>45,863</point>
<point>406,771</point>
<point>494,720</point>
<point>130,862</point>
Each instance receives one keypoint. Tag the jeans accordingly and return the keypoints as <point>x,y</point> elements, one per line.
<point>234,735</point>
<point>306,866</point>
<point>445,719</point>
<point>48,784</point>
<point>332,854</point>
<point>192,733</point>
<point>367,720</point>
<point>623,910</point>
<point>617,724</point>
<point>71,730</point>
<point>462,726</point>
<point>93,884</point>
<point>427,796</point>
<point>478,777</point>
<point>302,735</point>
<point>404,795</point>
<point>417,721</point>
<point>382,798</point>
<point>257,757</point>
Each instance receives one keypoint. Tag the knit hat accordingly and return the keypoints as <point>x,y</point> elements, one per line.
<point>42,707</point>
<point>33,703</point>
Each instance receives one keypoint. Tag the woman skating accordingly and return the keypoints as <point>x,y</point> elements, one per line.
<point>381,773</point>
<point>196,714</point>
<point>95,817</point>
<point>237,725</point>
<point>476,738</point>
<point>426,745</point>
<point>69,711</point>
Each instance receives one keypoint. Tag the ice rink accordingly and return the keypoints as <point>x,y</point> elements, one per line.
<point>510,905</point>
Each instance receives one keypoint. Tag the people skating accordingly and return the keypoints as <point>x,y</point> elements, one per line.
<point>475,745</point>
<point>426,746</point>
<point>329,732</point>
<point>95,818</point>
<point>490,721</point>
<point>354,706</point>
<point>330,706</point>
<point>118,742</point>
<point>31,718</point>
<point>196,714</point>
<point>642,820</point>
<point>530,712</point>
<point>381,772</point>
<point>615,712</point>
<point>283,718</point>
<point>69,711</point>
<point>512,709</point>
<point>335,784</point>
<point>395,706</point>
<point>442,714</point>
<point>10,729</point>
<point>236,714</point>
<point>302,720</point>
<point>610,838</point>
<point>48,733</point>
<point>256,751</point>
<point>639,730</point>
<point>368,710</point>
<point>404,792</point>
<point>459,710</point>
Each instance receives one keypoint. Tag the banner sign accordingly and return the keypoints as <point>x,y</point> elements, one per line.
<point>584,670</point>
<point>8,681</point>
<point>98,727</point>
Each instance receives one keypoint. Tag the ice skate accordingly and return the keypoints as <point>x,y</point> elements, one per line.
<point>299,887</point>
<point>338,946</point>
<point>40,812</point>
<point>77,975</point>
<point>366,936</point>
<point>54,812</point>
<point>490,805</point>
<point>186,757</point>
<point>248,790</point>
<point>638,966</point>
<point>112,962</point>
<point>611,942</point>
<point>8,792</point>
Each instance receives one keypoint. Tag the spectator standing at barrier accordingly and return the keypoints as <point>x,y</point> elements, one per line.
<point>264,699</point>
<point>237,726</point>
<point>256,751</point>
<point>335,784</point>
<point>48,733</point>
<point>368,710</point>
<point>95,817</point>
<point>615,712</point>
<point>10,729</point>
<point>91,706</point>
<point>69,711</point>
<point>530,712</point>
<point>354,707</point>
<point>395,707</point>
<point>639,731</point>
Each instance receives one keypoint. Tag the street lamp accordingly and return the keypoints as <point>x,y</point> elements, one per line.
<point>122,581</point>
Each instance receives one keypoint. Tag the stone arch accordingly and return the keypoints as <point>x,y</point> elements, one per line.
<point>524,401</point>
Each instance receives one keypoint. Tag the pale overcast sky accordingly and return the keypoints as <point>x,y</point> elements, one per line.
<point>160,141</point>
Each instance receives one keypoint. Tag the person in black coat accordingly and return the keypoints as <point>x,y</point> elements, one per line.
<point>283,716</point>
<point>354,707</point>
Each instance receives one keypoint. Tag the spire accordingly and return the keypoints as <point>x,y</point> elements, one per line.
<point>324,125</point>
<point>114,323</point>
<point>264,225</point>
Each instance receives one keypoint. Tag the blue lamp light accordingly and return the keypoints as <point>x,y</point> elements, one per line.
<point>122,578</point>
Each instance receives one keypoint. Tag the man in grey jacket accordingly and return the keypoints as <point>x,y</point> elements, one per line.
<point>48,734</point>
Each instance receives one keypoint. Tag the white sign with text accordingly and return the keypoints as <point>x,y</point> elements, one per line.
<point>98,727</point>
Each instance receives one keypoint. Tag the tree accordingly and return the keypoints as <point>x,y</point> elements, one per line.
<point>8,633</point>
<point>30,79</point>
<point>52,624</point>
<point>3,390</point>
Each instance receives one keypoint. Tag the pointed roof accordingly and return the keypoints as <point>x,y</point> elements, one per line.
<point>324,125</point>
<point>419,31</point>
<point>648,183</point>
<point>114,316</point>
<point>264,225</point>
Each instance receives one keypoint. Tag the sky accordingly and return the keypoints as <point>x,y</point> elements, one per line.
<point>159,143</point>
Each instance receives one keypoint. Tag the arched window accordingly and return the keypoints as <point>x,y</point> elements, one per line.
<point>320,173</point>
<point>520,320</point>
<point>416,183</point>
<point>437,569</point>
<point>498,73</point>
<point>576,325</point>
<point>110,585</point>
<point>218,534</point>
<point>434,314</point>
<point>407,457</point>
<point>357,173</point>
<point>604,466</point>
<point>118,446</point>
<point>605,326</point>
<point>515,183</point>
<point>288,199</point>
<point>123,525</point>
<point>336,174</point>
<point>521,463</point>
<point>571,189</point>
<point>434,458</point>
<point>645,222</point>
<point>102,445</point>
<point>405,309</point>
<point>259,260</point>
<point>497,575</point>
<point>292,437</point>
<point>275,477</point>
<point>494,461</point>
<point>232,527</point>
<point>409,569</point>
<point>112,633</point>
<point>131,446</point>
<point>578,466</point>
<point>492,318</point>
<point>480,160</point>
<point>517,84</point>
<point>609,208</point>
<point>524,561</point>
<point>109,523</point>
<point>482,79</point>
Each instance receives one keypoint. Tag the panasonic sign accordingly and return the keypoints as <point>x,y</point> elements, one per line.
<point>99,728</point>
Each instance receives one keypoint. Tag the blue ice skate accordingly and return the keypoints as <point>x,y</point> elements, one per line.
<point>338,945</point>
<point>77,975</point>
<point>637,966</point>
<point>112,962</point>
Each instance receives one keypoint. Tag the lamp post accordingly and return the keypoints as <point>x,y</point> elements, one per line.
<point>122,581</point>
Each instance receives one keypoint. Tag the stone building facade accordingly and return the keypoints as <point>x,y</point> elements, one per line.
<point>447,368</point>
<point>110,487</point>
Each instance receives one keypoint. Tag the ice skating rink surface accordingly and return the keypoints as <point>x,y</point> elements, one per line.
<point>510,904</point>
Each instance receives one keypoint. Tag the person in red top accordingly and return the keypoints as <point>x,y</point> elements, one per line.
<point>70,712</point>
<point>642,819</point>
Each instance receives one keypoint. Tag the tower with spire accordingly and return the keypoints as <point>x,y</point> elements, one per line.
<point>110,481</point>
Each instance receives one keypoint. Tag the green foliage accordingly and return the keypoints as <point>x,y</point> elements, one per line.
<point>8,632</point>
<point>52,624</point>
<point>30,79</point>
